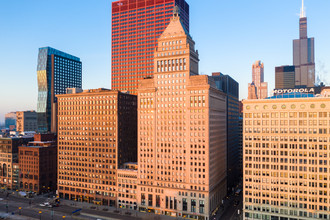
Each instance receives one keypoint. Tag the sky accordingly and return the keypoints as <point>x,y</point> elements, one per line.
<point>230,36</point>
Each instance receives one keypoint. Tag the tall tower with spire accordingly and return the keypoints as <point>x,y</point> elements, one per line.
<point>303,54</point>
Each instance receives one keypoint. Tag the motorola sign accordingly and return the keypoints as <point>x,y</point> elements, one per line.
<point>310,90</point>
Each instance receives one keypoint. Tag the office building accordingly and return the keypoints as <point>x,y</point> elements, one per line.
<point>26,121</point>
<point>38,164</point>
<point>303,55</point>
<point>97,133</point>
<point>8,158</point>
<point>136,26</point>
<point>284,77</point>
<point>56,72</point>
<point>10,121</point>
<point>127,186</point>
<point>181,132</point>
<point>230,87</point>
<point>286,151</point>
<point>258,89</point>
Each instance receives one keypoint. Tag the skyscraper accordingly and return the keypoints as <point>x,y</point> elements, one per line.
<point>285,77</point>
<point>258,88</point>
<point>26,121</point>
<point>98,127</point>
<point>56,72</point>
<point>230,87</point>
<point>136,26</point>
<point>181,132</point>
<point>286,157</point>
<point>303,54</point>
<point>10,120</point>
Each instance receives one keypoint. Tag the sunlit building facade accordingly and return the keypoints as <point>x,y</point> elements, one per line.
<point>136,26</point>
<point>181,132</point>
<point>286,157</point>
<point>258,89</point>
<point>97,133</point>
<point>56,72</point>
<point>26,121</point>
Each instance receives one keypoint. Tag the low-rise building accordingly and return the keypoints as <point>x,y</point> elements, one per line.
<point>8,157</point>
<point>127,186</point>
<point>38,164</point>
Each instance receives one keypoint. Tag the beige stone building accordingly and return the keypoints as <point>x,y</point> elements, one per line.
<point>26,121</point>
<point>286,158</point>
<point>97,133</point>
<point>127,186</point>
<point>181,133</point>
<point>9,158</point>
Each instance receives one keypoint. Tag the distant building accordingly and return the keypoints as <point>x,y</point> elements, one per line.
<point>229,86</point>
<point>182,132</point>
<point>38,164</point>
<point>56,72</point>
<point>9,157</point>
<point>26,121</point>
<point>285,77</point>
<point>10,121</point>
<point>258,89</point>
<point>286,157</point>
<point>98,127</point>
<point>303,55</point>
<point>136,26</point>
<point>127,186</point>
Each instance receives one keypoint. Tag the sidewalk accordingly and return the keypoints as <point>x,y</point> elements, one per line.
<point>93,210</point>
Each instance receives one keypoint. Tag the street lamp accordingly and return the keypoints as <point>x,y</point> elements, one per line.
<point>19,208</point>
<point>63,216</point>
<point>40,214</point>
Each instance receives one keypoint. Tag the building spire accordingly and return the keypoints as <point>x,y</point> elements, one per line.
<point>302,10</point>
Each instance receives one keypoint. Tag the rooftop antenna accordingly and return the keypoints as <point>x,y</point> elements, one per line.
<point>302,10</point>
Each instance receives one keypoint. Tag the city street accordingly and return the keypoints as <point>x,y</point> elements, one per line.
<point>16,207</point>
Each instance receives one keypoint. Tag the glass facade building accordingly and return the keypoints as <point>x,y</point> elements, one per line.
<point>229,86</point>
<point>136,26</point>
<point>56,72</point>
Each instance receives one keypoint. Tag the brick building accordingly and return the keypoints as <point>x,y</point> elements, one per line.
<point>97,133</point>
<point>38,164</point>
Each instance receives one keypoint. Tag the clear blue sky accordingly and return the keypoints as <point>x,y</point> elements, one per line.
<point>230,36</point>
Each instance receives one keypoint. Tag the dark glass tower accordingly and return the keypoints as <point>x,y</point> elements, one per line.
<point>136,26</point>
<point>284,77</point>
<point>303,55</point>
<point>56,72</point>
<point>229,86</point>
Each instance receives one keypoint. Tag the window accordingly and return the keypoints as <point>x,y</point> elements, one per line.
<point>193,205</point>
<point>184,205</point>
<point>201,206</point>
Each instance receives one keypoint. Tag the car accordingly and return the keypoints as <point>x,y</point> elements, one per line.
<point>1,199</point>
<point>42,204</point>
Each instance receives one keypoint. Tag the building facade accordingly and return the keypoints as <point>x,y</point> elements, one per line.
<point>286,151</point>
<point>9,158</point>
<point>285,77</point>
<point>56,72</point>
<point>38,165</point>
<point>97,133</point>
<point>26,121</point>
<point>258,89</point>
<point>230,87</point>
<point>136,26</point>
<point>181,132</point>
<point>303,55</point>
<point>127,186</point>
<point>10,120</point>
